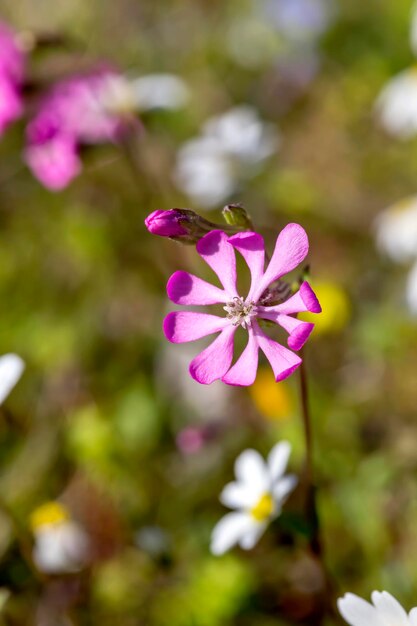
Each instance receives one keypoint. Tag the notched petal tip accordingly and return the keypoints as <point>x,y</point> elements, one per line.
<point>168,327</point>
<point>309,298</point>
<point>248,240</point>
<point>300,335</point>
<point>286,373</point>
<point>210,242</point>
<point>175,285</point>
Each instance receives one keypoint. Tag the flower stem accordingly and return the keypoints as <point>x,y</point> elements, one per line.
<point>315,542</point>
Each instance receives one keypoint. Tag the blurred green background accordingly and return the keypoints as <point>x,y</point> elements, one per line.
<point>96,418</point>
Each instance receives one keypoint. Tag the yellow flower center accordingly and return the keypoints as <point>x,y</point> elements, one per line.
<point>263,508</point>
<point>48,514</point>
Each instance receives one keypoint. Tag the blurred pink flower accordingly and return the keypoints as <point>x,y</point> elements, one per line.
<point>80,110</point>
<point>12,67</point>
<point>190,440</point>
<point>217,250</point>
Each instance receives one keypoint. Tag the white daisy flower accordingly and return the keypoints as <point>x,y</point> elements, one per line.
<point>396,106</point>
<point>257,495</point>
<point>11,369</point>
<point>61,545</point>
<point>230,148</point>
<point>396,230</point>
<point>385,611</point>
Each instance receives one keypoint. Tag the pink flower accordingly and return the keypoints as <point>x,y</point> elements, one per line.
<point>12,67</point>
<point>217,250</point>
<point>12,57</point>
<point>79,110</point>
<point>11,104</point>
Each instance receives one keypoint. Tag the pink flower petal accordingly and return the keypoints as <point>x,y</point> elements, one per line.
<point>251,246</point>
<point>183,326</point>
<point>298,331</point>
<point>184,288</point>
<point>218,253</point>
<point>290,249</point>
<point>214,361</point>
<point>54,163</point>
<point>282,360</point>
<point>304,300</point>
<point>243,372</point>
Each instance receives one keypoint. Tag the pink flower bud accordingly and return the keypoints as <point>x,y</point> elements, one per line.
<point>166,223</point>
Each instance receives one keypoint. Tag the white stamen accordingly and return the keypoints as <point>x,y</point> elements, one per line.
<point>240,312</point>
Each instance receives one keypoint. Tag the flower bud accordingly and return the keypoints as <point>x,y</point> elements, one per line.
<point>166,223</point>
<point>236,215</point>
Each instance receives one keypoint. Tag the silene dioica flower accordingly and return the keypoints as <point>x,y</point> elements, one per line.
<point>218,251</point>
<point>12,69</point>
<point>385,610</point>
<point>85,109</point>
<point>91,108</point>
<point>258,494</point>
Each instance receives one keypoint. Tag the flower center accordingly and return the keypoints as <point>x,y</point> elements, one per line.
<point>263,508</point>
<point>240,312</point>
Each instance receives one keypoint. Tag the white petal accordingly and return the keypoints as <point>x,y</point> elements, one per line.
<point>278,459</point>
<point>397,105</point>
<point>413,617</point>
<point>238,496</point>
<point>250,469</point>
<point>159,91</point>
<point>396,230</point>
<point>390,611</point>
<point>60,548</point>
<point>358,612</point>
<point>251,537</point>
<point>411,290</point>
<point>284,487</point>
<point>229,531</point>
<point>240,132</point>
<point>11,369</point>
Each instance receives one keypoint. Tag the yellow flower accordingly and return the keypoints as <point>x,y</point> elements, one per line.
<point>336,309</point>
<point>272,400</point>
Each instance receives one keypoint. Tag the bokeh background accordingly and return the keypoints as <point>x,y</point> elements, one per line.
<point>105,418</point>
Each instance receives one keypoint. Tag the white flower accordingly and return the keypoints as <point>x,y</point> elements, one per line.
<point>396,230</point>
<point>61,545</point>
<point>11,369</point>
<point>258,495</point>
<point>396,106</point>
<point>385,611</point>
<point>231,148</point>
